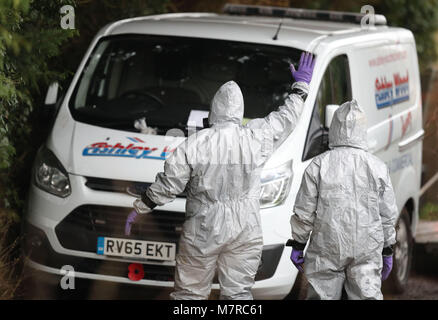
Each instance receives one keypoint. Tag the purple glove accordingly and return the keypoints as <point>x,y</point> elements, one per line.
<point>129,221</point>
<point>297,259</point>
<point>305,68</point>
<point>387,267</point>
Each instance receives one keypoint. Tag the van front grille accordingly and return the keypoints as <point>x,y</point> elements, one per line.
<point>111,185</point>
<point>134,188</point>
<point>81,228</point>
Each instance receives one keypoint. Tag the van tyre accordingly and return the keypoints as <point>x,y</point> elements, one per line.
<point>299,289</point>
<point>398,279</point>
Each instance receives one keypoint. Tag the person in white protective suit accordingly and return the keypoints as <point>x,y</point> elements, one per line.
<point>220,167</point>
<point>346,202</point>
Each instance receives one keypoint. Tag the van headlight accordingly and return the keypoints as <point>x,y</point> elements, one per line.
<point>276,184</point>
<point>50,175</point>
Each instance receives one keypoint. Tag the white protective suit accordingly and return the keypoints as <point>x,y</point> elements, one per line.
<point>219,167</point>
<point>347,201</point>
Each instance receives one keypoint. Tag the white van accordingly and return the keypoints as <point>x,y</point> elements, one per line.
<point>166,69</point>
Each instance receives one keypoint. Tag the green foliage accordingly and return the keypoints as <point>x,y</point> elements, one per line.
<point>24,69</point>
<point>34,51</point>
<point>419,17</point>
<point>429,211</point>
<point>10,16</point>
<point>9,262</point>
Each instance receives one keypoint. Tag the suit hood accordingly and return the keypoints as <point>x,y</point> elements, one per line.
<point>349,127</point>
<point>227,105</point>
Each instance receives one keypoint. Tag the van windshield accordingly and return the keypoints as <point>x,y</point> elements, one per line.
<point>164,79</point>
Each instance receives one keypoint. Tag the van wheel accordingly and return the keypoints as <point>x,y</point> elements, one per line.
<point>398,279</point>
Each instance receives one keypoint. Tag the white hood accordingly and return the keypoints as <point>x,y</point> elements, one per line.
<point>227,105</point>
<point>349,127</point>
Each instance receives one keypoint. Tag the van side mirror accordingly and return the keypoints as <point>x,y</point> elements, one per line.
<point>51,102</point>
<point>52,94</point>
<point>329,113</point>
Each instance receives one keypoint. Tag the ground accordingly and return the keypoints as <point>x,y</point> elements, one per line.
<point>422,285</point>
<point>423,281</point>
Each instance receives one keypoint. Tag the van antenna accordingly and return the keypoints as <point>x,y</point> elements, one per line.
<point>278,30</point>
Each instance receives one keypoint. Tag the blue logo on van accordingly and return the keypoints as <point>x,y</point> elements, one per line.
<point>389,93</point>
<point>103,149</point>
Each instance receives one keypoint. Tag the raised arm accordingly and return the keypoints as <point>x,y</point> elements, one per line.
<point>280,123</point>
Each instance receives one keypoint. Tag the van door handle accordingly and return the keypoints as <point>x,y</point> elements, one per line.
<point>409,142</point>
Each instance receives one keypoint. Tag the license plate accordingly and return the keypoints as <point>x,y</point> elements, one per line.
<point>164,251</point>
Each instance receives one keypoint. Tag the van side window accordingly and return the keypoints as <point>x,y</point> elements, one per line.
<point>335,88</point>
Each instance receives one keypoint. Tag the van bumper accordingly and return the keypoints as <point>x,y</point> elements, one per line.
<point>45,252</point>
<point>41,257</point>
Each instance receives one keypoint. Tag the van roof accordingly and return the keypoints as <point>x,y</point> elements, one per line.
<point>297,33</point>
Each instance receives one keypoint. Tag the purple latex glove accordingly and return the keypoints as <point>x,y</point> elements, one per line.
<point>129,221</point>
<point>387,267</point>
<point>297,258</point>
<point>305,68</point>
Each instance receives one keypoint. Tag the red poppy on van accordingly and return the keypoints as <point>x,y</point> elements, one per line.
<point>136,272</point>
